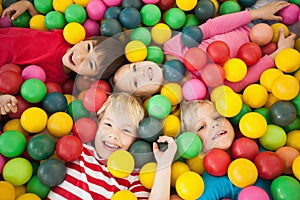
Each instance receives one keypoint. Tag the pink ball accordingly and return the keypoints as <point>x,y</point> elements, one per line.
<point>2,163</point>
<point>194,89</point>
<point>5,22</point>
<point>110,3</point>
<point>150,1</point>
<point>96,9</point>
<point>92,28</point>
<point>253,192</point>
<point>261,34</point>
<point>33,71</point>
<point>289,14</point>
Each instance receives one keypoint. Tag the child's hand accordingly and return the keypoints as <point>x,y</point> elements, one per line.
<point>18,8</point>
<point>165,158</point>
<point>8,103</point>
<point>268,11</point>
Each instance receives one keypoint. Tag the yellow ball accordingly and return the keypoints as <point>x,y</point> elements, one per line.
<point>285,87</point>
<point>120,163</point>
<point>220,92</point>
<point>15,124</point>
<point>173,92</point>
<point>293,138</point>
<point>196,164</point>
<point>189,185</point>
<point>7,191</point>
<point>186,5</point>
<point>242,172</point>
<point>160,33</point>
<point>37,22</point>
<point>216,4</point>
<point>74,32</point>
<point>147,174</point>
<point>171,126</point>
<point>28,196</point>
<point>288,60</point>
<point>296,167</point>
<point>229,105</point>
<point>255,95</point>
<point>276,31</point>
<point>297,44</point>
<point>83,3</point>
<point>253,125</point>
<point>177,169</point>
<point>271,100</point>
<point>60,124</point>
<point>123,195</point>
<point>61,5</point>
<point>268,76</point>
<point>297,75</point>
<point>69,98</point>
<point>235,69</point>
<point>135,51</point>
<point>34,120</point>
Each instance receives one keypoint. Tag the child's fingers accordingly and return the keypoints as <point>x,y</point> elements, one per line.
<point>13,108</point>
<point>165,139</point>
<point>155,147</point>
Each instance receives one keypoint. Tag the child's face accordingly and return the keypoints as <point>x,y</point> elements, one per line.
<point>115,131</point>
<point>81,58</point>
<point>214,130</point>
<point>142,78</point>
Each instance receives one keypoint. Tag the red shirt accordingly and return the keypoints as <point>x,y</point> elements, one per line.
<point>24,46</point>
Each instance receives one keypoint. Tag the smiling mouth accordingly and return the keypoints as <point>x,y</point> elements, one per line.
<point>150,73</point>
<point>110,146</point>
<point>219,134</point>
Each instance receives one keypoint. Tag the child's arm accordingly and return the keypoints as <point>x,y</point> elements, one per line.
<point>19,7</point>
<point>162,181</point>
<point>8,103</point>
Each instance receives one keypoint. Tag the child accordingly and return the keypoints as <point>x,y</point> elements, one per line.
<point>202,118</point>
<point>8,103</point>
<point>89,178</point>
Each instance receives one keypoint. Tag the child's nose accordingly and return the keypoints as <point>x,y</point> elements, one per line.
<point>113,135</point>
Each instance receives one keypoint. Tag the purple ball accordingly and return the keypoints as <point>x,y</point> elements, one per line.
<point>96,9</point>
<point>289,14</point>
<point>92,28</point>
<point>5,22</point>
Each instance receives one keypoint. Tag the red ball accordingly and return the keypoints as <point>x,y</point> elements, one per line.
<point>68,86</point>
<point>269,165</point>
<point>69,148</point>
<point>165,4</point>
<point>212,162</point>
<point>10,82</point>
<point>11,67</point>
<point>213,75</point>
<point>269,48</point>
<point>103,85</point>
<point>93,99</point>
<point>85,128</point>
<point>194,59</point>
<point>218,52</point>
<point>244,148</point>
<point>53,87</point>
<point>250,53</point>
<point>22,106</point>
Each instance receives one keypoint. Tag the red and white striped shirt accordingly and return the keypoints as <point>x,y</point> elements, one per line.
<point>88,178</point>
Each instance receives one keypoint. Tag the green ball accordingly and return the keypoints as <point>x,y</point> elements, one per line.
<point>285,187</point>
<point>33,90</point>
<point>236,119</point>
<point>296,102</point>
<point>151,14</point>
<point>41,146</point>
<point>35,186</point>
<point>295,125</point>
<point>229,7</point>
<point>297,2</point>
<point>189,145</point>
<point>159,106</point>
<point>265,113</point>
<point>54,20</point>
<point>22,21</point>
<point>75,13</point>
<point>77,110</point>
<point>43,6</point>
<point>274,138</point>
<point>155,54</point>
<point>142,34</point>
<point>191,20</point>
<point>12,143</point>
<point>175,18</point>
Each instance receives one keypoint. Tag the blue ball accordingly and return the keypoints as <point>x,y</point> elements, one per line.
<point>191,36</point>
<point>204,10</point>
<point>110,27</point>
<point>132,3</point>
<point>55,102</point>
<point>174,70</point>
<point>130,18</point>
<point>150,129</point>
<point>112,12</point>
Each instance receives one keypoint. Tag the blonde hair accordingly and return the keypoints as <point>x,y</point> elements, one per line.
<point>189,114</point>
<point>123,102</point>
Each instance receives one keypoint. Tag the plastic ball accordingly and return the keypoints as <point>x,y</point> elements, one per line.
<point>196,163</point>
<point>15,124</point>
<point>235,69</point>
<point>37,22</point>
<point>293,138</point>
<point>175,18</point>
<point>5,22</point>
<point>249,58</point>
<point>69,148</point>
<point>189,145</point>
<point>147,174</point>
<point>255,95</point>
<point>93,99</point>
<point>220,92</point>
<point>33,71</point>
<point>268,76</point>
<point>189,185</point>
<point>135,51</point>
<point>274,138</point>
<point>173,92</point>
<point>22,20</point>
<point>33,90</point>
<point>218,52</point>
<point>120,163</point>
<point>212,162</point>
<point>29,120</point>
<point>142,34</point>
<point>174,70</point>
<point>160,33</point>
<point>111,3</point>
<point>130,18</point>
<point>242,172</point>
<point>191,36</point>
<point>276,31</point>
<point>35,186</point>
<point>246,3</point>
<point>43,6</point>
<point>60,124</point>
<point>141,152</point>
<point>171,126</point>
<point>253,192</point>
<point>28,196</point>
<point>194,89</point>
<point>7,191</point>
<point>74,32</point>
<point>75,13</point>
<point>228,7</point>
<point>17,171</point>
<point>123,195</point>
<point>55,102</point>
<point>191,20</point>
<point>61,5</point>
<point>54,20</point>
<point>288,155</point>
<point>195,59</point>
<point>261,34</point>
<point>96,10</point>
<point>244,148</point>
<point>10,82</point>
<point>12,143</point>
<point>85,128</point>
<point>110,27</point>
<point>204,10</point>
<point>165,5</point>
<point>91,27</point>
<point>22,106</point>
<point>132,3</point>
<point>229,105</point>
<point>11,67</point>
<point>76,110</point>
<point>159,106</point>
<point>253,125</point>
<point>213,75</point>
<point>186,5</point>
<point>295,167</point>
<point>52,172</point>
<point>150,129</point>
<point>285,187</point>
<point>155,54</point>
<point>288,60</point>
<point>282,113</point>
<point>285,87</point>
<point>41,146</point>
<point>178,168</point>
<point>150,14</point>
<point>289,14</point>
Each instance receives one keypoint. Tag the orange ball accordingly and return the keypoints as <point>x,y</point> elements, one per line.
<point>288,155</point>
<point>261,34</point>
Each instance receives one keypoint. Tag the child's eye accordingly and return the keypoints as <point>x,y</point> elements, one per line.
<point>126,131</point>
<point>201,127</point>
<point>107,124</point>
<point>88,47</point>
<point>218,117</point>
